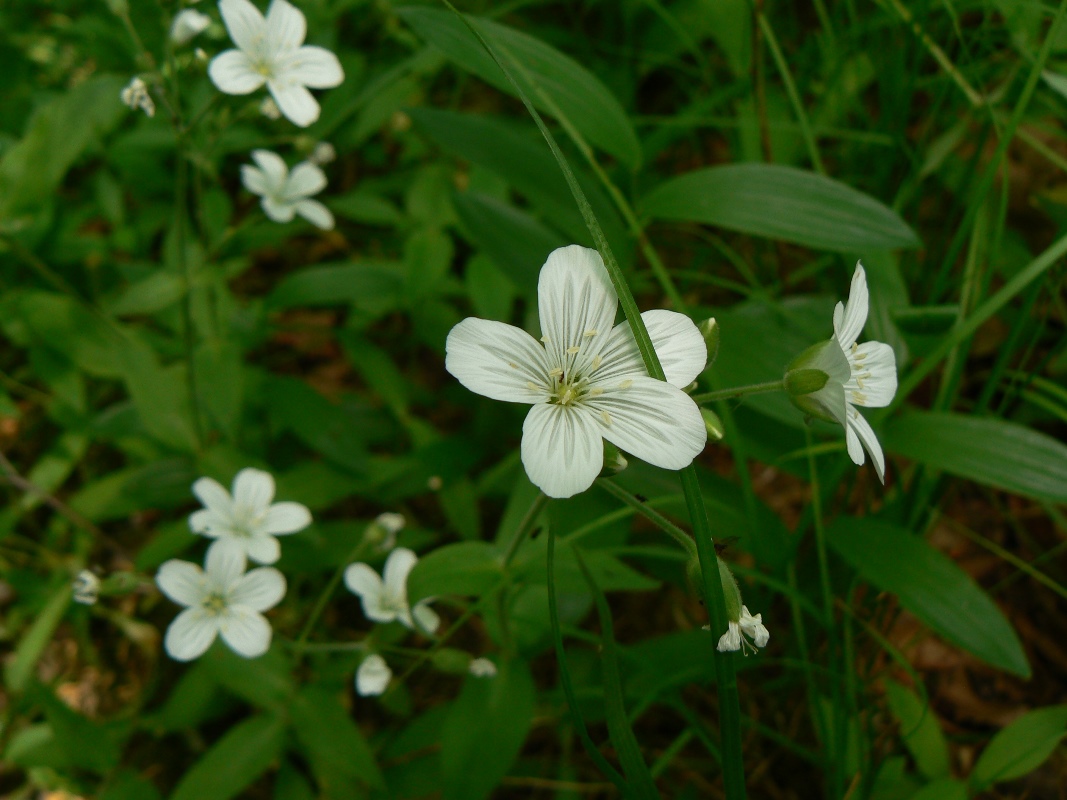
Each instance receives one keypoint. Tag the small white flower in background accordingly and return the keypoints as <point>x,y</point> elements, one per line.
<point>385,599</point>
<point>222,600</point>
<point>269,108</point>
<point>323,154</point>
<point>247,521</point>
<point>482,668</point>
<point>286,194</point>
<point>373,676</point>
<point>382,532</point>
<point>740,631</point>
<point>271,51</point>
<point>86,588</point>
<point>873,381</point>
<point>136,96</point>
<point>585,379</point>
<point>187,25</point>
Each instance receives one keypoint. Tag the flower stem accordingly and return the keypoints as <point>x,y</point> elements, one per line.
<point>324,597</point>
<point>664,524</point>
<point>739,391</point>
<point>525,526</point>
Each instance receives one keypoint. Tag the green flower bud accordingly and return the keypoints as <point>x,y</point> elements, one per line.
<point>118,583</point>
<point>709,329</point>
<point>730,591</point>
<point>451,661</point>
<point>614,461</point>
<point>713,424</point>
<point>815,381</point>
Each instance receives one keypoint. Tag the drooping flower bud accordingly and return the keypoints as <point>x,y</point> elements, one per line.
<point>614,461</point>
<point>716,430</point>
<point>709,329</point>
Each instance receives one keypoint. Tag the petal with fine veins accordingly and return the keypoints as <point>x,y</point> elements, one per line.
<point>652,420</point>
<point>850,318</point>
<point>860,431</point>
<point>294,101</point>
<point>874,375</point>
<point>562,449</point>
<point>259,590</point>
<point>232,72</point>
<point>244,23</point>
<point>246,631</point>
<point>677,341</point>
<point>253,489</point>
<point>181,581</point>
<point>575,298</point>
<point>285,27</point>
<point>497,360</point>
<point>314,66</point>
<point>190,634</point>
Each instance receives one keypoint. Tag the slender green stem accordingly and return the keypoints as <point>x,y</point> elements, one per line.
<point>739,391</point>
<point>525,526</point>
<point>324,597</point>
<point>664,524</point>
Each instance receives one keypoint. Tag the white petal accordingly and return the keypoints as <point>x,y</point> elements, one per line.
<point>863,429</point>
<point>855,449</point>
<point>363,581</point>
<point>214,497</point>
<point>286,27</point>
<point>261,549</point>
<point>278,211</point>
<point>731,640</point>
<point>425,617</point>
<point>874,375</point>
<point>397,567</point>
<point>247,632</point>
<point>850,318</point>
<point>562,449</point>
<point>190,634</point>
<point>187,24</point>
<point>232,72</point>
<point>313,66</point>
<point>275,172</point>
<point>305,180</point>
<point>254,180</point>
<point>259,590</point>
<point>373,676</point>
<point>244,23</point>
<point>253,489</point>
<point>225,562</point>
<point>283,518</point>
<point>676,339</point>
<point>575,298</point>
<point>315,213</point>
<point>294,101</point>
<point>497,360</point>
<point>652,420</point>
<point>181,581</point>
<point>209,523</point>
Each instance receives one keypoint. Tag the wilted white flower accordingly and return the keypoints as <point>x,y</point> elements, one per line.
<point>271,51</point>
<point>187,25</point>
<point>136,95</point>
<point>286,194</point>
<point>373,676</point>
<point>323,154</point>
<point>741,630</point>
<point>385,598</point>
<point>86,588</point>
<point>585,379</point>
<point>248,521</point>
<point>222,600</point>
<point>482,668</point>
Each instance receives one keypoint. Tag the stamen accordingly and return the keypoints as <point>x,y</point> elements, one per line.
<point>595,392</point>
<point>604,415</point>
<point>860,398</point>
<point>555,373</point>
<point>626,384</point>
<point>544,339</point>
<point>533,386</point>
<point>513,365</point>
<point>573,350</point>
<point>591,332</point>
<point>597,361</point>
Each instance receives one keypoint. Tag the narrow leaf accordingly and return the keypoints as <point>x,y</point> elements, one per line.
<point>1021,747</point>
<point>235,761</point>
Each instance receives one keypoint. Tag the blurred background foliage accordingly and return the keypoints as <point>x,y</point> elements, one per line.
<point>740,156</point>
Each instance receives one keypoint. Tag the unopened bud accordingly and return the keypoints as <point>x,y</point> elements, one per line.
<point>381,534</point>
<point>713,425</point>
<point>482,668</point>
<point>709,329</point>
<point>614,461</point>
<point>451,661</point>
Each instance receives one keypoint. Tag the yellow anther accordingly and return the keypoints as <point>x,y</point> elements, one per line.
<point>596,392</point>
<point>604,415</point>
<point>555,373</point>
<point>573,350</point>
<point>597,361</point>
<point>590,333</point>
<point>544,339</point>
<point>513,365</point>
<point>533,386</point>
<point>626,384</point>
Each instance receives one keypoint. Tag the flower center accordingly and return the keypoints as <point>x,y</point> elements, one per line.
<point>215,603</point>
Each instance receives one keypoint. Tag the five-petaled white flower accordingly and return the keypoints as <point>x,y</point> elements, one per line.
<point>873,378</point>
<point>286,193</point>
<point>222,600</point>
<point>387,600</point>
<point>271,51</point>
<point>373,676</point>
<point>247,522</point>
<point>586,382</point>
<point>738,633</point>
<point>188,24</point>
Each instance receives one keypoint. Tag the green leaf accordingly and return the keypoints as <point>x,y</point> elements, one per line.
<point>485,730</point>
<point>235,761</point>
<point>335,747</point>
<point>367,208</point>
<point>943,789</point>
<point>1021,747</point>
<point>371,285</point>
<point>265,682</point>
<point>919,730</point>
<point>465,568</point>
<point>995,452</point>
<point>576,92</point>
<point>19,669</point>
<point>931,586</point>
<point>128,785</point>
<point>783,203</point>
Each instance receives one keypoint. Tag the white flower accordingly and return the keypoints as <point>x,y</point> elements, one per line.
<point>387,600</point>
<point>86,588</point>
<point>272,51</point>
<point>247,522</point>
<point>873,379</point>
<point>323,154</point>
<point>586,382</point>
<point>286,193</point>
<point>136,95</point>
<point>269,108</point>
<point>373,676</point>
<point>187,25</point>
<point>221,600</point>
<point>482,668</point>
<point>382,532</point>
<point>740,631</point>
